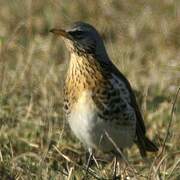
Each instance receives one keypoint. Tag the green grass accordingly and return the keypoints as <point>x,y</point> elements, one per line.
<point>142,39</point>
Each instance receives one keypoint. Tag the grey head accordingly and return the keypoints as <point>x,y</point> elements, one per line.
<point>82,38</point>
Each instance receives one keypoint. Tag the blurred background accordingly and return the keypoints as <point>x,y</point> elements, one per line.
<point>142,39</point>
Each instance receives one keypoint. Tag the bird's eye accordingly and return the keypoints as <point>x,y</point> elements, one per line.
<point>76,33</point>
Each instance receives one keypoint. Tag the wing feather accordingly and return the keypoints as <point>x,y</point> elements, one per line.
<point>127,95</point>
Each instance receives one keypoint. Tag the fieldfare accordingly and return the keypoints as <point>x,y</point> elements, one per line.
<point>98,99</point>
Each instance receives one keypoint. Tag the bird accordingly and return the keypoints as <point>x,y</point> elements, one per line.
<point>98,99</point>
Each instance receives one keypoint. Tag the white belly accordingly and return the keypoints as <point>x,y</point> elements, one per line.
<point>83,117</point>
<point>90,129</point>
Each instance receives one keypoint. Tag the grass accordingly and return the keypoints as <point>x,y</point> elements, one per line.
<point>142,39</point>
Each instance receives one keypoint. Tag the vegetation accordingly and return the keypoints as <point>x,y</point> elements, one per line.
<point>143,40</point>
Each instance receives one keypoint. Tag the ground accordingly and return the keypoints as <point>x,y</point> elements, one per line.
<point>142,39</point>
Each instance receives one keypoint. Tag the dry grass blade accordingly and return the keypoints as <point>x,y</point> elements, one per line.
<point>170,122</point>
<point>70,173</point>
<point>75,164</point>
<point>160,156</point>
<point>174,167</point>
<point>121,154</point>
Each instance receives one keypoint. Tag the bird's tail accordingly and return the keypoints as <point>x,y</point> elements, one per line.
<point>145,144</point>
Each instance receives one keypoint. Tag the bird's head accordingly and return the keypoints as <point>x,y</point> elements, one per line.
<point>82,38</point>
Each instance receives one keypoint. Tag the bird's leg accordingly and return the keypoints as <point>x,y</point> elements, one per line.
<point>88,161</point>
<point>115,168</point>
<point>117,161</point>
